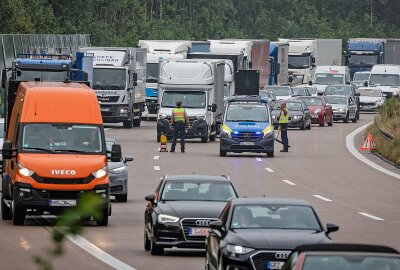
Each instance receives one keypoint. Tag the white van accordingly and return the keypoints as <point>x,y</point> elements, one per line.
<point>326,75</point>
<point>387,78</point>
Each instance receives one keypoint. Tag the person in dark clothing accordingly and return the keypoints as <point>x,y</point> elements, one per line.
<point>178,122</point>
<point>283,120</point>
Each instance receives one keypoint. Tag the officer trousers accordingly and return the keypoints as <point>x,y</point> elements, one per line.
<point>284,137</point>
<point>179,130</point>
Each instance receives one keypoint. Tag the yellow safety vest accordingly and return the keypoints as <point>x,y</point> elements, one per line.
<point>283,119</point>
<point>179,114</point>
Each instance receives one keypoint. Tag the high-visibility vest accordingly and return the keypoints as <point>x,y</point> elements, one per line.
<point>179,114</point>
<point>283,119</point>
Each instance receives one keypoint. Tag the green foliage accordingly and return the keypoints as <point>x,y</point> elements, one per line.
<point>124,22</point>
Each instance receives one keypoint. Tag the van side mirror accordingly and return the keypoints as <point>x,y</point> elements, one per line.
<point>8,151</point>
<point>366,83</point>
<point>134,79</point>
<point>116,153</point>
<point>212,108</point>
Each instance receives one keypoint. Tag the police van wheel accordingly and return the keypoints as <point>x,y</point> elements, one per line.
<point>5,210</point>
<point>222,153</point>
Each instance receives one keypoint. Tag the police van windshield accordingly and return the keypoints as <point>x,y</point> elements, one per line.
<point>32,75</point>
<point>109,79</point>
<point>247,113</point>
<point>62,138</point>
<point>192,99</point>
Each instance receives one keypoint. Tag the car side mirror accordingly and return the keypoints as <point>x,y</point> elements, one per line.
<point>128,158</point>
<point>150,198</point>
<point>366,83</point>
<point>8,152</point>
<point>331,228</point>
<point>116,153</point>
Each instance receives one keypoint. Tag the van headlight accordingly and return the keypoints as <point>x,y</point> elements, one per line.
<point>167,219</point>
<point>162,116</point>
<point>118,170</point>
<point>24,171</point>
<point>100,173</point>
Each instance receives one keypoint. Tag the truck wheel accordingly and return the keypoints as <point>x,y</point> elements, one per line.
<point>122,197</point>
<point>137,122</point>
<point>103,219</point>
<point>5,210</point>
<point>127,124</point>
<point>18,214</point>
<point>270,154</point>
<point>222,153</point>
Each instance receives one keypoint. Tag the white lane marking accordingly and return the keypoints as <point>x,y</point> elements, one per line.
<point>269,169</point>
<point>322,198</point>
<point>107,129</point>
<point>259,159</point>
<point>370,216</point>
<point>156,157</point>
<point>350,146</point>
<point>156,168</point>
<point>289,182</point>
<point>98,253</point>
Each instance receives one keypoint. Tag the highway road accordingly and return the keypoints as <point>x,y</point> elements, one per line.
<point>319,168</point>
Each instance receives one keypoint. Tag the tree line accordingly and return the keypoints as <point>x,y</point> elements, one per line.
<point>124,22</point>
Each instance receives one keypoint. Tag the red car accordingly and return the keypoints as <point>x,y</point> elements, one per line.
<point>321,113</point>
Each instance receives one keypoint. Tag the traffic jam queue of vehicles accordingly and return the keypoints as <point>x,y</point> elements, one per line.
<point>54,150</point>
<point>247,126</point>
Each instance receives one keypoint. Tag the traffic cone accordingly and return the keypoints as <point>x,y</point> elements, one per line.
<point>163,146</point>
<point>368,144</point>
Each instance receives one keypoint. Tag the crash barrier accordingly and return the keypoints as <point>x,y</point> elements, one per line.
<point>385,134</point>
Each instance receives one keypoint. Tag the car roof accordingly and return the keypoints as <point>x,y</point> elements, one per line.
<point>197,177</point>
<point>338,247</point>
<point>269,200</point>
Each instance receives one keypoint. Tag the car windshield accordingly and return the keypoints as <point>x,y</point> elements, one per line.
<point>351,261</point>
<point>274,216</point>
<point>62,138</point>
<point>363,60</point>
<point>247,112</point>
<point>152,72</point>
<point>327,78</point>
<point>291,106</point>
<point>312,101</point>
<point>336,100</point>
<point>361,76</point>
<point>1,130</point>
<point>109,79</point>
<point>369,92</point>
<point>300,92</point>
<point>338,90</point>
<point>31,75</point>
<point>197,191</point>
<point>384,79</point>
<point>280,91</point>
<point>190,99</point>
<point>298,61</point>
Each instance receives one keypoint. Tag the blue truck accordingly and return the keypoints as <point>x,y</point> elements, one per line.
<point>363,53</point>
<point>278,59</point>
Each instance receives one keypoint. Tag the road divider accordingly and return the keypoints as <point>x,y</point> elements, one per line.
<point>371,216</point>
<point>322,198</point>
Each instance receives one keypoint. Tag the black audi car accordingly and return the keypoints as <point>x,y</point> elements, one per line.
<point>299,114</point>
<point>260,233</point>
<point>180,211</point>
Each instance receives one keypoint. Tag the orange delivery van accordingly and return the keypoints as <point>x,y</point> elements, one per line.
<point>55,150</point>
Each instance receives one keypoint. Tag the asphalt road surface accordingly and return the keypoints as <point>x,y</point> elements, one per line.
<point>364,202</point>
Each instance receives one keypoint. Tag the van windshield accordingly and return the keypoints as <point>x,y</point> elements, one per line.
<point>109,79</point>
<point>384,80</point>
<point>327,78</point>
<point>190,99</point>
<point>62,138</point>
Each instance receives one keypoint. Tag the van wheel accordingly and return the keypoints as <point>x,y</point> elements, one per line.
<point>122,197</point>
<point>222,153</point>
<point>5,210</point>
<point>103,219</point>
<point>18,214</point>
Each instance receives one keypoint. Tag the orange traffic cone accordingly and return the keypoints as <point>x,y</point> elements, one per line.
<point>368,144</point>
<point>163,146</point>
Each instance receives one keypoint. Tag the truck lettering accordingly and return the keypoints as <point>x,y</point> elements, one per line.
<point>63,172</point>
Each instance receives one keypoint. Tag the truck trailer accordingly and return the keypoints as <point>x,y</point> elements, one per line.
<point>363,53</point>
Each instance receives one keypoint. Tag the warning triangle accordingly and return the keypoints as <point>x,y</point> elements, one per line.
<point>368,144</point>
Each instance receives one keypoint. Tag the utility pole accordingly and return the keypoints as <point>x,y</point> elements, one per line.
<point>371,13</point>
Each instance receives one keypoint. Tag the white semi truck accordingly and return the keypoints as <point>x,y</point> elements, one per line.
<point>119,76</point>
<point>306,54</point>
<point>158,50</point>
<point>199,84</point>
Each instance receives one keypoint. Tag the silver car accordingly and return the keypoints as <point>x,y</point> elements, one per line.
<point>344,108</point>
<point>118,173</point>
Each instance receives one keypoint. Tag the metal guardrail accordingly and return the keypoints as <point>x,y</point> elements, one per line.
<point>385,134</point>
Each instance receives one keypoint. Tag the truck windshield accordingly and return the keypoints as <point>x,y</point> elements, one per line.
<point>359,60</point>
<point>247,113</point>
<point>327,78</point>
<point>152,72</point>
<point>32,75</point>
<point>299,61</point>
<point>192,99</point>
<point>384,80</point>
<point>109,79</point>
<point>62,138</point>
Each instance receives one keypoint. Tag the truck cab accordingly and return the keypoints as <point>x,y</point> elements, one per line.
<point>362,55</point>
<point>326,75</point>
<point>247,126</point>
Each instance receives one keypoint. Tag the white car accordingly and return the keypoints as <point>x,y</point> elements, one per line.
<point>280,92</point>
<point>371,98</point>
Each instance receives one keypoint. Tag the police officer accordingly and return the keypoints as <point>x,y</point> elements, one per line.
<point>283,121</point>
<point>178,121</point>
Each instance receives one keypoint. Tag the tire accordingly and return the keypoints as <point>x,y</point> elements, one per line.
<point>103,219</point>
<point>122,197</point>
<point>331,122</point>
<point>212,138</point>
<point>137,122</point>
<point>346,120</point>
<point>127,124</point>
<point>147,242</point>
<point>204,139</point>
<point>323,124</point>
<point>5,210</point>
<point>303,126</point>
<point>18,214</point>
<point>270,154</point>
<point>358,114</point>
<point>155,249</point>
<point>354,120</point>
<point>222,153</point>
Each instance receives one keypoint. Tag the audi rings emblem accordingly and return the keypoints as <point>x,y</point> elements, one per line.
<point>282,255</point>
<point>203,222</point>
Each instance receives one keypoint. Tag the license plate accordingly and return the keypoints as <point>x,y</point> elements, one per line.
<point>247,143</point>
<point>105,109</point>
<point>63,203</point>
<point>198,231</point>
<point>275,265</point>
